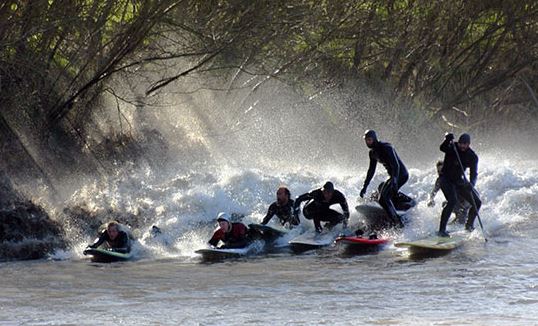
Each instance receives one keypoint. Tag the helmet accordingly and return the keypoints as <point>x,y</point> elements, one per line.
<point>370,134</point>
<point>222,216</point>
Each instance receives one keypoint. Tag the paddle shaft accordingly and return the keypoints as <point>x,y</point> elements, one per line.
<point>472,190</point>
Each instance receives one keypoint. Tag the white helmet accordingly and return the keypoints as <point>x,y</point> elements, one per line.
<point>222,216</point>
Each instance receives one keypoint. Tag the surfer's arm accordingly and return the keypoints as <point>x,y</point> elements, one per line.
<point>371,171</point>
<point>393,162</point>
<point>473,171</point>
<point>270,213</point>
<point>436,188</point>
<point>299,200</point>
<point>217,236</point>
<point>99,241</point>
<point>344,205</point>
<point>446,144</point>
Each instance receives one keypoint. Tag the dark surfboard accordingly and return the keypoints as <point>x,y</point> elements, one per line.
<point>107,256</point>
<point>219,254</point>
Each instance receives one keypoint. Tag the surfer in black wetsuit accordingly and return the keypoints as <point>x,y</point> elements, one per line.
<point>453,181</point>
<point>282,208</point>
<point>385,154</point>
<point>116,239</point>
<point>318,207</point>
<point>461,210</point>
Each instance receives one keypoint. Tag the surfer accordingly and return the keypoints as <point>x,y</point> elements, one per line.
<point>115,238</point>
<point>462,207</point>
<point>318,207</point>
<point>385,154</point>
<point>233,235</point>
<point>282,208</point>
<point>458,157</point>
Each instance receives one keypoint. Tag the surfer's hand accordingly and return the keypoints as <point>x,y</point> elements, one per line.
<point>363,191</point>
<point>431,203</point>
<point>449,136</point>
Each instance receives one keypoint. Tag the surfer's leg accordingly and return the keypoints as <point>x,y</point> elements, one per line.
<point>385,200</point>
<point>402,179</point>
<point>469,225</point>
<point>332,217</point>
<point>449,190</point>
<point>310,210</point>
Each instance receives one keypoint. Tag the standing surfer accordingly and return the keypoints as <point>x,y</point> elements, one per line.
<point>385,154</point>
<point>458,157</point>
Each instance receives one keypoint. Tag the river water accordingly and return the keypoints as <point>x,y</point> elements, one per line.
<point>480,283</point>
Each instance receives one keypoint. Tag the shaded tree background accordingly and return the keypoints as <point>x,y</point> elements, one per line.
<point>465,64</point>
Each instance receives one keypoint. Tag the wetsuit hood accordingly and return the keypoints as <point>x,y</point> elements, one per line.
<point>464,139</point>
<point>371,134</point>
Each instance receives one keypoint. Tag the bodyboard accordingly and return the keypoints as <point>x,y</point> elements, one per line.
<point>309,241</point>
<point>217,254</point>
<point>107,256</point>
<point>360,241</point>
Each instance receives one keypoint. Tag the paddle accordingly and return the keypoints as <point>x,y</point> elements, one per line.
<point>472,189</point>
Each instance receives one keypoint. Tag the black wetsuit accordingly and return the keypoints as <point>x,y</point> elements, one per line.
<point>453,182</point>
<point>385,154</point>
<point>318,209</point>
<point>462,206</point>
<point>284,213</point>
<point>120,244</point>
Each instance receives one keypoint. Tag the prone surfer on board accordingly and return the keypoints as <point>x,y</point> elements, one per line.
<point>458,157</point>
<point>115,238</point>
<point>232,235</point>
<point>385,154</point>
<point>318,206</point>
<point>282,208</point>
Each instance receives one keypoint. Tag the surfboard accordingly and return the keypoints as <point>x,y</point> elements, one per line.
<point>355,244</point>
<point>217,254</point>
<point>360,241</point>
<point>107,256</point>
<point>268,232</point>
<point>375,218</point>
<point>309,241</point>
<point>434,244</point>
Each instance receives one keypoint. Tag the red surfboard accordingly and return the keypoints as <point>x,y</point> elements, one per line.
<point>361,241</point>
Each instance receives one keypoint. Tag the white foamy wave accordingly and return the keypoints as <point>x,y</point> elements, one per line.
<point>185,207</point>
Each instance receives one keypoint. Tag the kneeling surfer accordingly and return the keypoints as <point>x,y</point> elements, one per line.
<point>318,207</point>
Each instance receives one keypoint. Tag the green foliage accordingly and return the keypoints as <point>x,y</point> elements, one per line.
<point>442,52</point>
